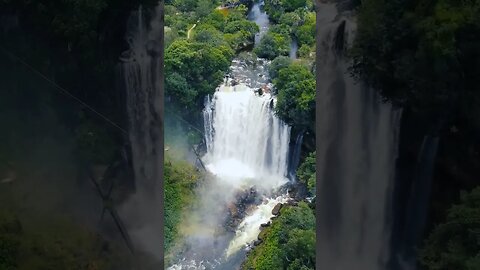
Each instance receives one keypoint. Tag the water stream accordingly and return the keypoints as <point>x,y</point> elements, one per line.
<point>247,149</point>
<point>356,154</point>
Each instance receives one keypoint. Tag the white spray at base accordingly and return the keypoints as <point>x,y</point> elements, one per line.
<point>250,144</point>
<point>247,146</point>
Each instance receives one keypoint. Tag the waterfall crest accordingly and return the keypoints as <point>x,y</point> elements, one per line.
<point>141,71</point>
<point>246,139</point>
<point>356,152</point>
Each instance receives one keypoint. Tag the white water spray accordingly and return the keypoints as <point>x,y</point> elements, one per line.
<point>248,143</point>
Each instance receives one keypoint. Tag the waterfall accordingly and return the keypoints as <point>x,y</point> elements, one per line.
<point>293,49</point>
<point>141,71</point>
<point>208,123</point>
<point>249,141</point>
<point>247,149</point>
<point>257,15</point>
<point>247,146</point>
<point>356,152</point>
<point>142,77</point>
<point>295,157</point>
<point>417,206</point>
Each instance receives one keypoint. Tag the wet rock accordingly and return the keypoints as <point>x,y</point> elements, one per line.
<point>264,225</point>
<point>245,202</point>
<point>276,209</point>
<point>292,203</point>
<point>257,242</point>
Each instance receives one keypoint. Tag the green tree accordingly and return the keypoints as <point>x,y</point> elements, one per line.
<point>200,67</point>
<point>305,33</point>
<point>296,95</point>
<point>306,172</point>
<point>278,64</point>
<point>180,178</point>
<point>289,243</point>
<point>208,34</point>
<point>204,7</point>
<point>455,244</point>
<point>177,86</point>
<point>185,5</point>
<point>273,45</point>
<point>291,5</point>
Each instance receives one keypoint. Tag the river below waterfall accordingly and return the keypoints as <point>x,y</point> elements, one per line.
<point>247,151</point>
<point>247,157</point>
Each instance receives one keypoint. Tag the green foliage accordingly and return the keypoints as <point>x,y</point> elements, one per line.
<point>455,244</point>
<point>289,243</point>
<point>291,5</point>
<point>195,67</point>
<point>296,95</point>
<point>306,172</point>
<point>249,27</point>
<point>422,55</point>
<point>305,51</point>
<point>291,19</point>
<point>208,34</point>
<point>180,88</point>
<point>273,45</point>
<point>170,36</point>
<point>59,245</point>
<point>277,8</point>
<point>187,84</point>
<point>305,33</point>
<point>180,178</point>
<point>204,7</point>
<point>277,64</point>
<point>216,19</point>
<point>185,5</point>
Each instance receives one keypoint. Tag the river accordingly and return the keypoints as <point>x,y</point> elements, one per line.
<point>247,151</point>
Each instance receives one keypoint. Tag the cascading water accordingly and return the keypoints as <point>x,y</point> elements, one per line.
<point>141,71</point>
<point>247,149</point>
<point>247,146</point>
<point>260,18</point>
<point>249,141</point>
<point>293,49</point>
<point>295,157</point>
<point>356,156</point>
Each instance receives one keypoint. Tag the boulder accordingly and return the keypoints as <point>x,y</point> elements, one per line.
<point>257,242</point>
<point>276,209</point>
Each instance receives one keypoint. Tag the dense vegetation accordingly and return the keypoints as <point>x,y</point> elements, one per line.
<point>455,244</point>
<point>197,58</point>
<point>295,84</point>
<point>292,20</point>
<point>306,173</point>
<point>180,178</point>
<point>293,79</point>
<point>289,243</point>
<point>423,55</point>
<point>57,244</point>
